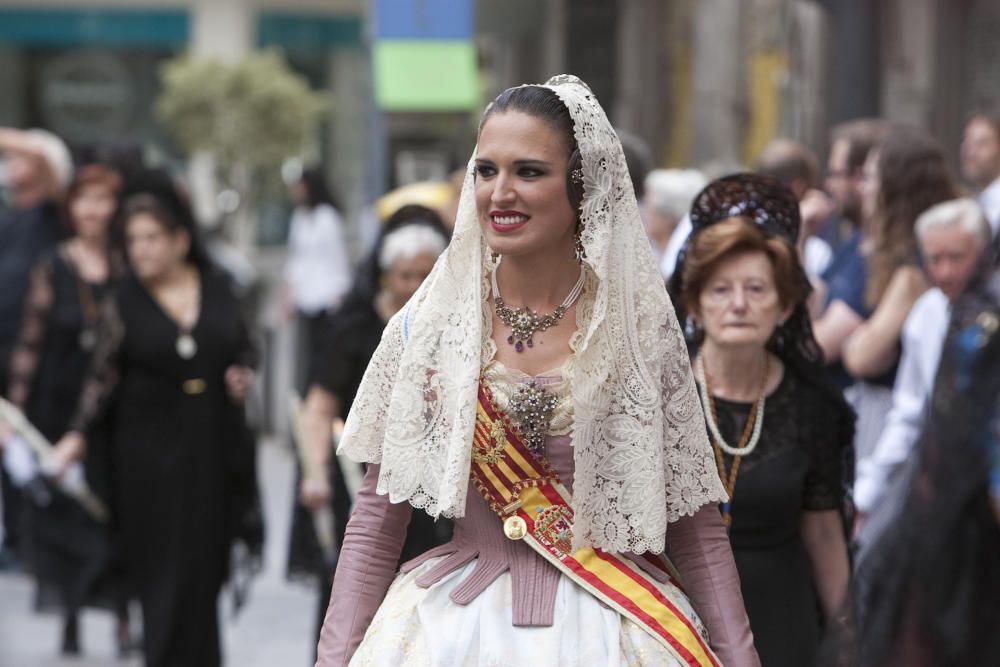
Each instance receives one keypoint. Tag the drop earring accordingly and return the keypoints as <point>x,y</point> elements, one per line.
<point>578,249</point>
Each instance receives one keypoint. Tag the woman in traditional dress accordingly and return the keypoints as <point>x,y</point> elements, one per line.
<point>67,550</point>
<point>537,389</point>
<point>402,258</point>
<point>744,288</point>
<point>171,371</point>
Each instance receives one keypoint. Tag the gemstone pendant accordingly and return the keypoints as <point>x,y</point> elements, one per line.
<point>519,346</point>
<point>531,343</point>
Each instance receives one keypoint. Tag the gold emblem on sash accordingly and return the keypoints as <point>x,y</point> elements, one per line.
<point>515,528</point>
<point>490,451</point>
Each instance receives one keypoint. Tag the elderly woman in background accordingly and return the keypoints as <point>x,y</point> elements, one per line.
<point>403,256</point>
<point>744,288</point>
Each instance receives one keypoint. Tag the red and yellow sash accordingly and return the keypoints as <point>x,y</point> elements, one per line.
<point>534,505</point>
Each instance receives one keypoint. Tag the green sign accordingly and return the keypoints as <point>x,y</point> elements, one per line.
<point>425,75</point>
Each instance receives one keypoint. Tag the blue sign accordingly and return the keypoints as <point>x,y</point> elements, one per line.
<point>423,19</point>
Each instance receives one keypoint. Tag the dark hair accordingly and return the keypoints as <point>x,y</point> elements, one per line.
<point>861,136</point>
<point>542,103</point>
<point>725,239</point>
<point>317,190</point>
<point>638,159</point>
<point>913,176</point>
<point>789,160</point>
<point>87,175</point>
<point>153,192</point>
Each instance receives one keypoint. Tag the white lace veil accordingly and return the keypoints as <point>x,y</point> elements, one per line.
<point>641,451</point>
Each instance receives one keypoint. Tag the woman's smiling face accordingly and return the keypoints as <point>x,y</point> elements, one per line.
<point>521,176</point>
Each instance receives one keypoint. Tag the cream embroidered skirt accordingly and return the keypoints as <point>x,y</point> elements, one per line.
<point>422,627</point>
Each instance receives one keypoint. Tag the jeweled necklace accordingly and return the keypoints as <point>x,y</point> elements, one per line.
<point>524,322</point>
<point>748,442</point>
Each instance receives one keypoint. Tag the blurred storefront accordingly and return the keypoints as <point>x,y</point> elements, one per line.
<point>89,71</point>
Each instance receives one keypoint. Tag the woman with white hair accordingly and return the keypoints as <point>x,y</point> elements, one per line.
<point>402,257</point>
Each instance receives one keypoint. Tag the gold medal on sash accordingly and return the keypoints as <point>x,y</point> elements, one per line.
<point>515,528</point>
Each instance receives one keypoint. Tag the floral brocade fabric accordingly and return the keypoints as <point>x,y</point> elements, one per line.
<point>641,453</point>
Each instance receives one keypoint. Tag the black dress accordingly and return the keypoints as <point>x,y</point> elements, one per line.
<point>179,450</point>
<point>68,551</point>
<point>351,343</point>
<point>795,467</point>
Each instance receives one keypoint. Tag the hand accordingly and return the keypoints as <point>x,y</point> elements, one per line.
<point>859,522</point>
<point>314,492</point>
<point>238,381</point>
<point>6,430</point>
<point>815,208</point>
<point>66,452</point>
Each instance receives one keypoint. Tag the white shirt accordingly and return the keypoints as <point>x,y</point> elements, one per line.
<point>668,261</point>
<point>989,201</point>
<point>922,338</point>
<point>318,270</point>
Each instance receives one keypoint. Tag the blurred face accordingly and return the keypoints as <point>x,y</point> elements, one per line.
<point>950,256</point>
<point>840,183</point>
<point>870,184</point>
<point>521,197</point>
<point>91,210</point>
<point>153,251</point>
<point>980,153</point>
<point>406,275</point>
<point>739,305</point>
<point>297,193</point>
<point>23,170</point>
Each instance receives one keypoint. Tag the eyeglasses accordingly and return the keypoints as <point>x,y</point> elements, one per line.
<point>752,293</point>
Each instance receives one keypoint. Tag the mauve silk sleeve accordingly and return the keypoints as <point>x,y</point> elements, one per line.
<point>366,567</point>
<point>699,548</point>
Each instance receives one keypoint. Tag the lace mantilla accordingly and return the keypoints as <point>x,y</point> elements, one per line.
<point>641,451</point>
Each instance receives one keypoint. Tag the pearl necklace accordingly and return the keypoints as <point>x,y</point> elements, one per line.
<point>524,322</point>
<point>713,426</point>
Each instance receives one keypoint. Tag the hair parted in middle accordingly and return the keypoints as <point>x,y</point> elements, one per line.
<point>543,103</point>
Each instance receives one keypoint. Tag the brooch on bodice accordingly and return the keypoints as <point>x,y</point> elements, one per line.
<point>531,409</point>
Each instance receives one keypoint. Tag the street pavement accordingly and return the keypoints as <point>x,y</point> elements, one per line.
<point>274,629</point>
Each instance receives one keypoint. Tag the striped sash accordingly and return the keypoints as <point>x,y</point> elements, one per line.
<point>534,506</point>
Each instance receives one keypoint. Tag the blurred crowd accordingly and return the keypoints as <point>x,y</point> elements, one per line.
<point>123,344</point>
